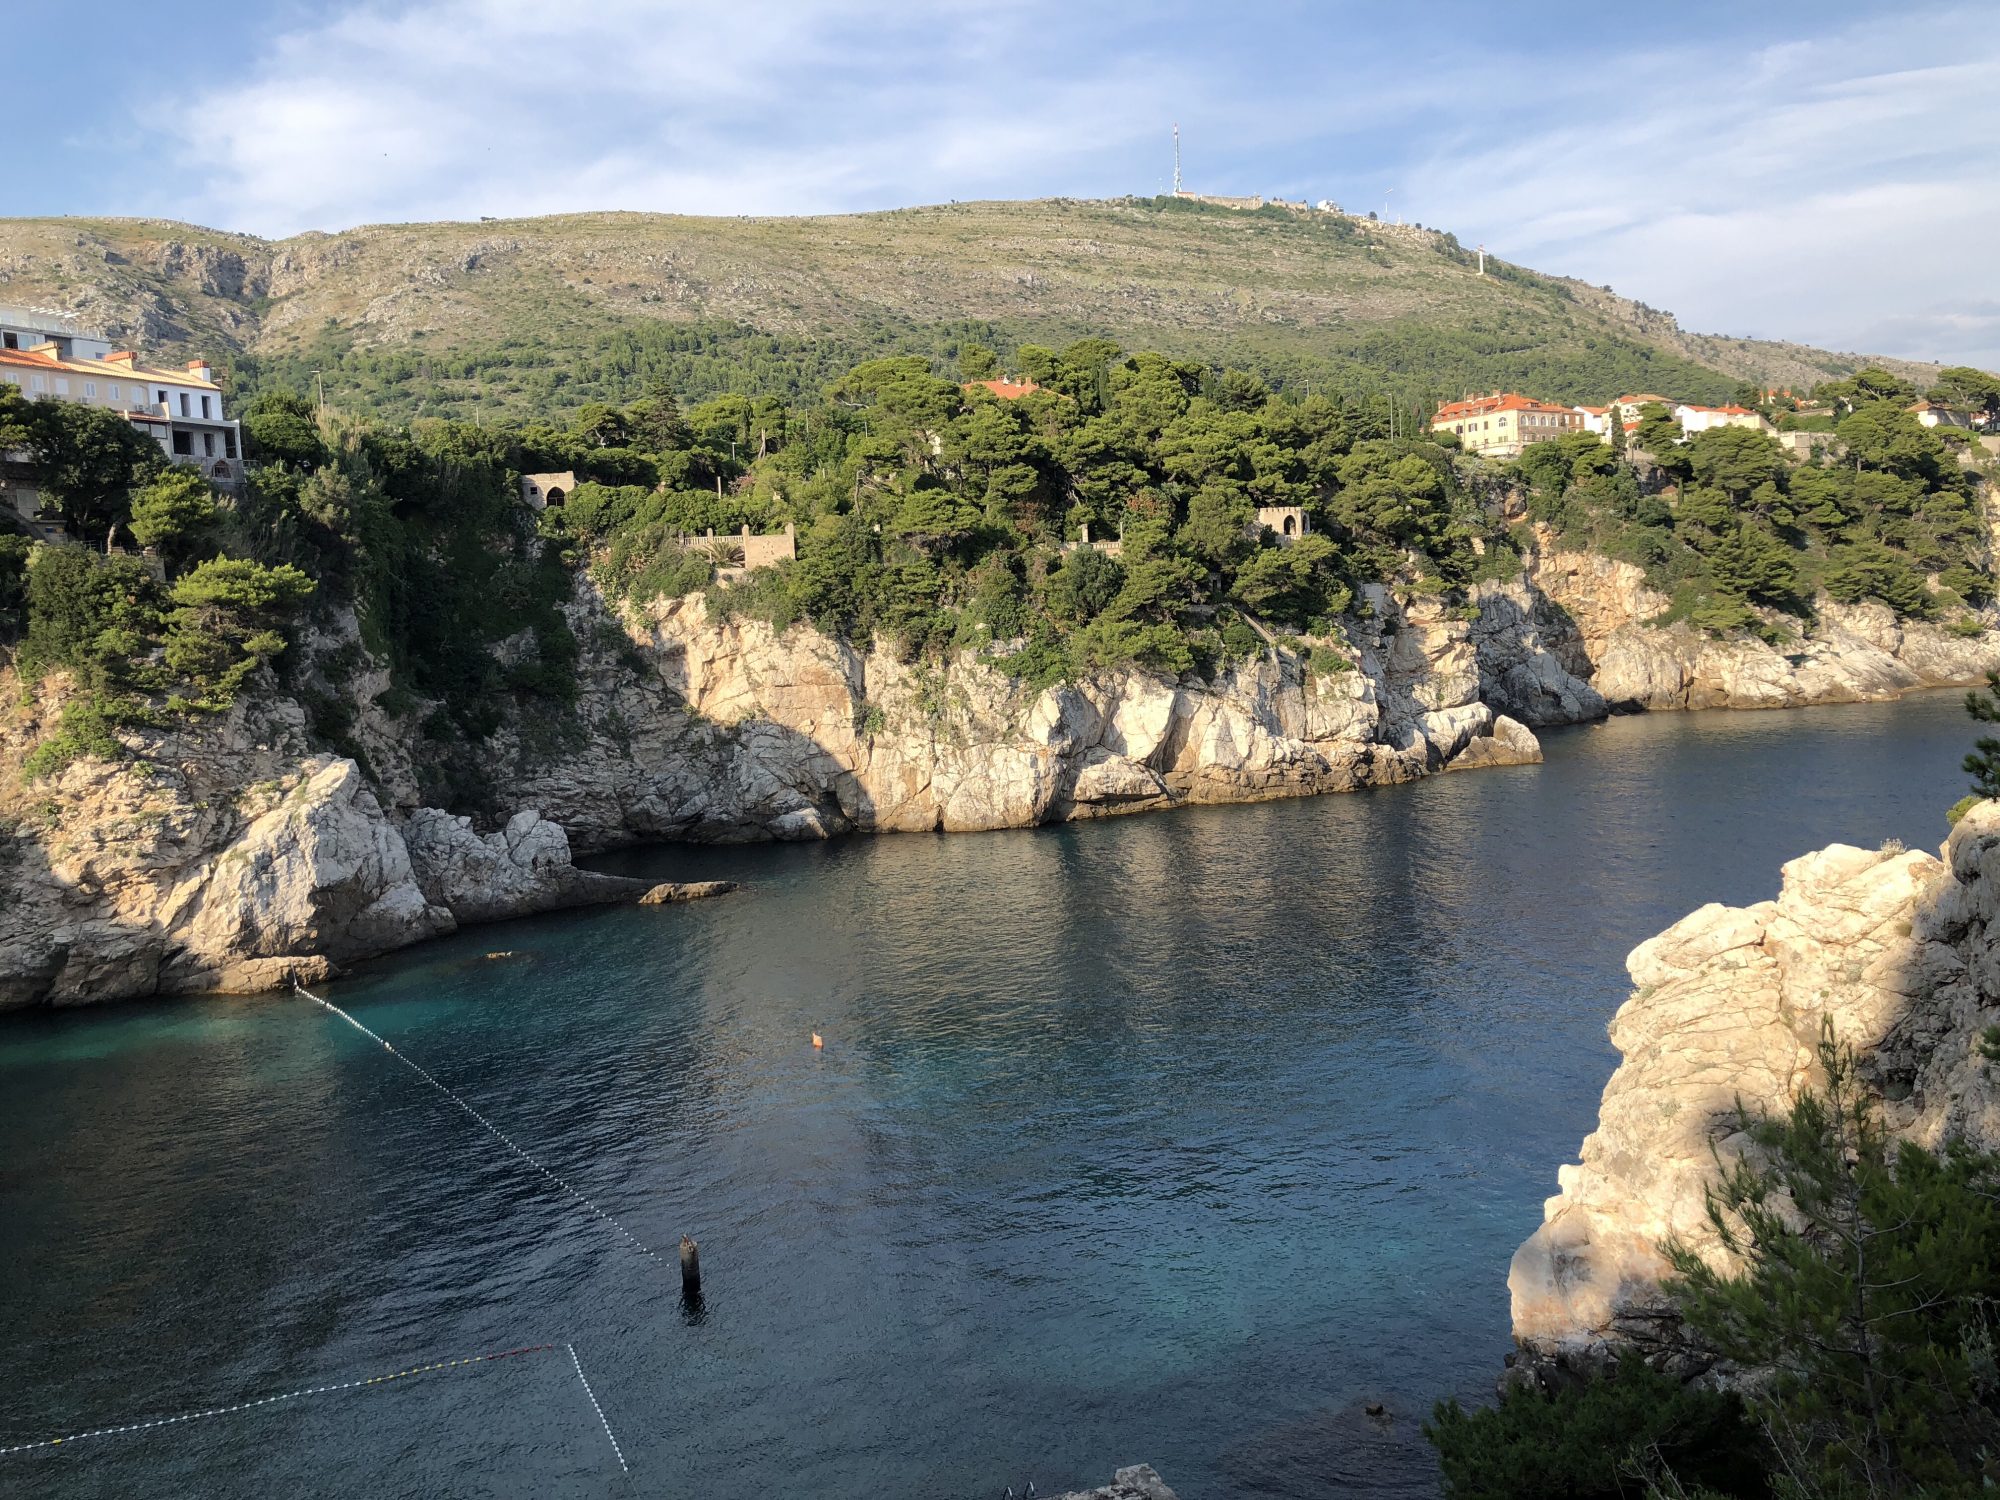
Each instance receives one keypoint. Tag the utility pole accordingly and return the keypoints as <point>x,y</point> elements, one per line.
<point>1177,158</point>
<point>1482,260</point>
<point>319,383</point>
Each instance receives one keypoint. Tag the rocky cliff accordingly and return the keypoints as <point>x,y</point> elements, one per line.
<point>232,855</point>
<point>235,854</point>
<point>1574,637</point>
<point>1899,952</point>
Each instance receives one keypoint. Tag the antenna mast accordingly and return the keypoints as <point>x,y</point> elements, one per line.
<point>1177,158</point>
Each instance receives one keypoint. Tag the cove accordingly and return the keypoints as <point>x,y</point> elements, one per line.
<point>1171,1138</point>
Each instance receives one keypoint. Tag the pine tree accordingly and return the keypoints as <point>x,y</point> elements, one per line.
<point>1865,1280</point>
<point>1983,764</point>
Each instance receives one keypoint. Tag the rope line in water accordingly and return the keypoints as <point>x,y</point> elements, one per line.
<point>617,1452</point>
<point>487,1125</point>
<point>313,1390</point>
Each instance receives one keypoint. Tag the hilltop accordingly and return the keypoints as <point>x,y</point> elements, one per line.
<point>519,315</point>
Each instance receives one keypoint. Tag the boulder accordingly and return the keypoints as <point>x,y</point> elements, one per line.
<point>673,892</point>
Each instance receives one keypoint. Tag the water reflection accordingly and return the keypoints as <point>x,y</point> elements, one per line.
<point>1176,1138</point>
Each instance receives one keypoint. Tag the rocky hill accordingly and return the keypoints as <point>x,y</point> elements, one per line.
<point>523,316</point>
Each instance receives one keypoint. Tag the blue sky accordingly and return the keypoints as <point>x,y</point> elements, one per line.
<point>1811,171</point>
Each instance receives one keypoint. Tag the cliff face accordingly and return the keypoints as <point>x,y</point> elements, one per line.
<point>1898,951</point>
<point>1570,639</point>
<point>231,856</point>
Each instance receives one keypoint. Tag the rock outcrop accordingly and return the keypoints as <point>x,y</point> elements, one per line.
<point>234,859</point>
<point>244,856</point>
<point>1898,952</point>
<point>1574,637</point>
<point>1136,1482</point>
<point>231,855</point>
<point>738,731</point>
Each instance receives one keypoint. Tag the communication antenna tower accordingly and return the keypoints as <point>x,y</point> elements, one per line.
<point>1482,260</point>
<point>1177,158</point>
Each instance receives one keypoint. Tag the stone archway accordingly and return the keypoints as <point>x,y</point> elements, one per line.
<point>555,497</point>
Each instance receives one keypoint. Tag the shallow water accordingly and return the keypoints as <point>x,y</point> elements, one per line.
<point>1172,1138</point>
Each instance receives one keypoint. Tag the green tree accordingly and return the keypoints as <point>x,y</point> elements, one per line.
<point>89,458</point>
<point>1863,1275</point>
<point>1869,570</point>
<point>1624,1435</point>
<point>656,424</point>
<point>1217,526</point>
<point>13,585</point>
<point>176,514</point>
<point>228,620</point>
<point>1659,434</point>
<point>1751,564</point>
<point>1884,436</point>
<point>280,427</point>
<point>1084,586</point>
<point>1735,460</point>
<point>977,362</point>
<point>94,616</point>
<point>1983,764</point>
<point>1968,389</point>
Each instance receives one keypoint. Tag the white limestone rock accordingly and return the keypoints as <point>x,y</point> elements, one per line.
<point>1889,947</point>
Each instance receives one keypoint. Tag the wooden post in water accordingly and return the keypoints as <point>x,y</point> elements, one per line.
<point>690,1268</point>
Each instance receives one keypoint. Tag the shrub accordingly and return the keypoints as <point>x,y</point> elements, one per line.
<point>1609,1437</point>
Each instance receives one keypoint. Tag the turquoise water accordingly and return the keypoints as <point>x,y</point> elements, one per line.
<point>1172,1138</point>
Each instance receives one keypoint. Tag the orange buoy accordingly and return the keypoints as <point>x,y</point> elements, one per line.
<point>818,1040</point>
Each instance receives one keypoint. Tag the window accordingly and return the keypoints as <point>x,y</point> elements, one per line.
<point>90,390</point>
<point>186,405</point>
<point>37,383</point>
<point>184,444</point>
<point>204,406</point>
<point>10,341</point>
<point>116,394</point>
<point>229,442</point>
<point>62,385</point>
<point>163,398</point>
<point>208,444</point>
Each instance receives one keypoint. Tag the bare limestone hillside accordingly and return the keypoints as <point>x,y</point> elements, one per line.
<point>528,314</point>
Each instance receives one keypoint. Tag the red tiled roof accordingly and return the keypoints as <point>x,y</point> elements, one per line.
<point>1006,390</point>
<point>1482,406</point>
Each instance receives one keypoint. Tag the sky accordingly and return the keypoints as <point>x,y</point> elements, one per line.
<point>1821,172</point>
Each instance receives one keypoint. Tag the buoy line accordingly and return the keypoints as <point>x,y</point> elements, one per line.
<point>617,1452</point>
<point>300,1394</point>
<point>487,1125</point>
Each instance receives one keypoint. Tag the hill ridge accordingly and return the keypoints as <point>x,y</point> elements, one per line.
<point>511,314</point>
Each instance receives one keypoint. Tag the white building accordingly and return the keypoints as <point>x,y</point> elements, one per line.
<point>26,327</point>
<point>180,409</point>
<point>1695,419</point>
<point>1930,414</point>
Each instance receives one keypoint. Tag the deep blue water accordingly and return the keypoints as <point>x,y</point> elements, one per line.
<point>1173,1138</point>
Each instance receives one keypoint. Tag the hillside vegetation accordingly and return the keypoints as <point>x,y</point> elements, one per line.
<point>523,317</point>
<point>931,518</point>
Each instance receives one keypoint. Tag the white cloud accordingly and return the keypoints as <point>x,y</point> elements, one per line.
<point>453,108</point>
<point>1832,189</point>
<point>1820,191</point>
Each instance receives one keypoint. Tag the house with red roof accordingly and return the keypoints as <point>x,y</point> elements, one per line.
<point>1006,390</point>
<point>1505,423</point>
<point>1695,419</point>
